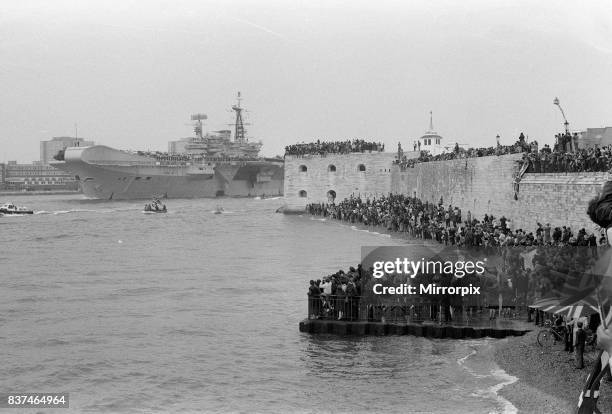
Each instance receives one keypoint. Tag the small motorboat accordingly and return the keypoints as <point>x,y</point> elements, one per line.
<point>219,210</point>
<point>155,206</point>
<point>10,208</point>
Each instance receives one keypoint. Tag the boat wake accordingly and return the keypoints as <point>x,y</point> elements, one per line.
<point>64,212</point>
<point>85,210</point>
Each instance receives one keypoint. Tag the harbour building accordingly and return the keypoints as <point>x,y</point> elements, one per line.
<point>595,137</point>
<point>48,149</point>
<point>35,176</point>
<point>40,175</point>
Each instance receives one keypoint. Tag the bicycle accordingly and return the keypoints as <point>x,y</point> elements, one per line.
<point>550,335</point>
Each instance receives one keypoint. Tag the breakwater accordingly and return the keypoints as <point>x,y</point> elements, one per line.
<point>484,185</point>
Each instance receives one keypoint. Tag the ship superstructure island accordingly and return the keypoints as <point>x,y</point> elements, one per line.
<point>205,165</point>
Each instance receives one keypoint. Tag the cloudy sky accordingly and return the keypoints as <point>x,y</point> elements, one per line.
<point>130,73</point>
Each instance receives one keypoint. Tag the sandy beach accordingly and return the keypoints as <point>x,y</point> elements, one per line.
<point>548,381</point>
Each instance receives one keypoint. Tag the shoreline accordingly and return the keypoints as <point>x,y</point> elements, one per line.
<point>502,379</point>
<point>374,229</point>
<point>547,381</point>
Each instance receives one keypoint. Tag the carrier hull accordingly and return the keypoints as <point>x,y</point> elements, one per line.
<point>107,173</point>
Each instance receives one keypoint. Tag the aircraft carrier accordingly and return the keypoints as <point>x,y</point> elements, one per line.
<point>210,165</point>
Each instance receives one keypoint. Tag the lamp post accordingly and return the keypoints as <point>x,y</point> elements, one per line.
<point>567,133</point>
<point>556,102</point>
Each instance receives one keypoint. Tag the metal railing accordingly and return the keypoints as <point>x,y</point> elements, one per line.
<point>335,307</point>
<point>358,308</point>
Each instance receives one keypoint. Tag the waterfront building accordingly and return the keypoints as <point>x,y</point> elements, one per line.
<point>36,176</point>
<point>48,149</point>
<point>431,141</point>
<point>595,137</point>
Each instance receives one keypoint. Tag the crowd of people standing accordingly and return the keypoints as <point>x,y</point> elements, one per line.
<point>543,264</point>
<point>425,156</point>
<point>334,147</point>
<point>563,157</point>
<point>446,224</point>
<point>592,159</point>
<point>559,252</point>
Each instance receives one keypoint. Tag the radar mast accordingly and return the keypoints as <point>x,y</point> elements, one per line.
<point>239,126</point>
<point>198,124</point>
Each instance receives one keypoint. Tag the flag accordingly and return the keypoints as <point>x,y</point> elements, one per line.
<point>587,402</point>
<point>579,309</point>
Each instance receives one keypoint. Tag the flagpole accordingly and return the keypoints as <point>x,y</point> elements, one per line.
<point>601,311</point>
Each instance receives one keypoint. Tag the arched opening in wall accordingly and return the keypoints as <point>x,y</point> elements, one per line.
<point>303,193</point>
<point>303,168</point>
<point>361,168</point>
<point>331,196</point>
<point>331,168</point>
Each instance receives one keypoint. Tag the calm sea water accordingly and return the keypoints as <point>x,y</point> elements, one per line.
<point>196,312</point>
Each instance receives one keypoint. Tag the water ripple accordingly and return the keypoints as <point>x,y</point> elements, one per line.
<point>199,312</point>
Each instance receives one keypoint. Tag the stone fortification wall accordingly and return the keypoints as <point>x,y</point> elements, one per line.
<point>485,186</point>
<point>480,185</point>
<point>559,199</point>
<point>314,178</point>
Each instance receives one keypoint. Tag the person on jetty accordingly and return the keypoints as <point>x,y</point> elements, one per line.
<point>519,280</point>
<point>338,295</point>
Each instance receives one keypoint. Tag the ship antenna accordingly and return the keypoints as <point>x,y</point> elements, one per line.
<point>239,126</point>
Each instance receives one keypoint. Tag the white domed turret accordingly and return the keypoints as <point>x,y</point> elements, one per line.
<point>431,141</point>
